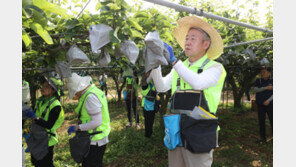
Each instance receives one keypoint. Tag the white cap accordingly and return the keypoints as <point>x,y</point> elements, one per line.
<point>76,83</point>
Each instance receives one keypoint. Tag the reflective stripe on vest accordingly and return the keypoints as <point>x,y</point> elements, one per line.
<point>146,91</point>
<point>41,105</point>
<point>212,94</point>
<point>85,117</point>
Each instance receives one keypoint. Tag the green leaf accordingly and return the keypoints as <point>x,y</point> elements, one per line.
<point>166,23</point>
<point>26,38</point>
<point>38,15</point>
<point>105,9</point>
<point>134,24</point>
<point>27,12</point>
<point>106,2</point>
<point>79,5</point>
<point>113,6</point>
<point>71,23</point>
<point>42,32</point>
<point>169,36</point>
<point>27,2</point>
<point>141,14</point>
<point>36,8</point>
<point>113,39</point>
<point>49,7</point>
<point>98,6</point>
<point>136,33</point>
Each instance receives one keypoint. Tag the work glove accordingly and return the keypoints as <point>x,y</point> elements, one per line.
<point>172,57</point>
<point>30,114</point>
<point>72,129</point>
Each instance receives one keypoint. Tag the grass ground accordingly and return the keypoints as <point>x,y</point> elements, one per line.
<point>128,147</point>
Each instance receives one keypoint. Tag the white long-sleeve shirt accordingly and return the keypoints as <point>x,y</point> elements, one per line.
<point>209,77</point>
<point>93,107</point>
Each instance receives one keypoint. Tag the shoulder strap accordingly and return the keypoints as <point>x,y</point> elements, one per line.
<point>198,71</point>
<point>203,65</point>
<point>44,112</point>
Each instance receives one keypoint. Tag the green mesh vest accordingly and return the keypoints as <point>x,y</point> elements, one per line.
<point>212,94</point>
<point>145,92</point>
<point>131,80</point>
<point>85,117</point>
<point>42,104</point>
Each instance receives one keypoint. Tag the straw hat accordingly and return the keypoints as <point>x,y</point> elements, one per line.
<point>185,23</point>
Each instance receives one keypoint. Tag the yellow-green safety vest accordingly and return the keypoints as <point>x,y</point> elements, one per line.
<point>146,91</point>
<point>85,117</point>
<point>40,107</point>
<point>212,94</point>
<point>131,80</point>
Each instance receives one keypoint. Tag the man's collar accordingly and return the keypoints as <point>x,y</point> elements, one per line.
<point>197,63</point>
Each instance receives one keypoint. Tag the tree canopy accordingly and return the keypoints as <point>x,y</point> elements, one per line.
<point>49,28</point>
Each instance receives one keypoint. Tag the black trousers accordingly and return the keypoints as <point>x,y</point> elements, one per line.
<point>262,110</point>
<point>95,156</point>
<point>128,107</point>
<point>104,87</point>
<point>149,120</point>
<point>46,161</point>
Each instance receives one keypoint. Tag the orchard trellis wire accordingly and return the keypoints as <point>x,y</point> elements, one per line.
<point>205,14</point>
<point>177,7</point>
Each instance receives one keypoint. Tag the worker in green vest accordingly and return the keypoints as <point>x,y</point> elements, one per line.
<point>149,103</point>
<point>131,91</point>
<point>49,114</point>
<point>93,115</point>
<point>25,108</point>
<point>202,44</point>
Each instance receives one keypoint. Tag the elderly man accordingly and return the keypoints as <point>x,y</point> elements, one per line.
<point>202,44</point>
<point>93,115</point>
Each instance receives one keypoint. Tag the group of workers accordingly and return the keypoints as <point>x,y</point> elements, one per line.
<point>202,45</point>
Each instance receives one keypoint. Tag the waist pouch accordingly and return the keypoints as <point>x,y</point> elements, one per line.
<point>80,145</point>
<point>198,136</point>
<point>184,101</point>
<point>172,137</point>
<point>149,105</point>
<point>38,142</point>
<point>124,95</point>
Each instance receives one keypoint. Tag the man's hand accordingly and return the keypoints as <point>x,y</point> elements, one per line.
<point>172,57</point>
<point>268,87</point>
<point>266,103</point>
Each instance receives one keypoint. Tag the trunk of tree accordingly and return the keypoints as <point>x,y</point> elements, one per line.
<point>118,87</point>
<point>244,83</point>
<point>33,96</point>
